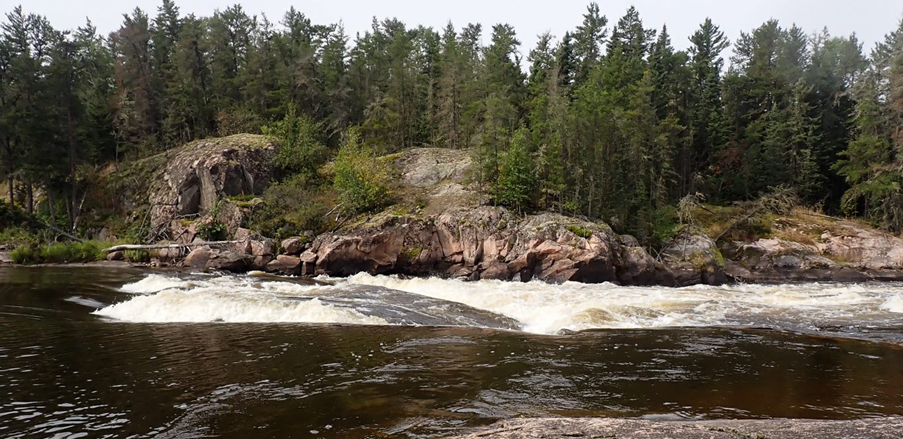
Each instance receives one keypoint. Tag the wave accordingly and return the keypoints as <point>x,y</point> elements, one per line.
<point>229,299</point>
<point>535,307</point>
<point>548,308</point>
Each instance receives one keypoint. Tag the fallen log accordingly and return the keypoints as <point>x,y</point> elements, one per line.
<point>124,247</point>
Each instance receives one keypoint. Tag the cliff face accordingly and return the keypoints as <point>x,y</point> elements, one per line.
<point>201,173</point>
<point>164,193</point>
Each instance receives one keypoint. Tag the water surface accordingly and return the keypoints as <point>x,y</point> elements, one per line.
<point>90,352</point>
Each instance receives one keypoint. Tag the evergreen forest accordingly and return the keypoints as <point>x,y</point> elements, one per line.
<point>608,121</point>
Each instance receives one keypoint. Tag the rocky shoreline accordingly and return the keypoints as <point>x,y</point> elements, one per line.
<point>492,243</point>
<point>881,428</point>
<point>449,233</point>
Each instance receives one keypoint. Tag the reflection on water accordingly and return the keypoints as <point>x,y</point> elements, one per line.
<point>66,372</point>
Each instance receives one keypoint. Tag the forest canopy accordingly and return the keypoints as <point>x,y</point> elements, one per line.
<point>608,121</point>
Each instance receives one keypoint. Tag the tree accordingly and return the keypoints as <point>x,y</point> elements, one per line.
<point>516,179</point>
<point>300,148</point>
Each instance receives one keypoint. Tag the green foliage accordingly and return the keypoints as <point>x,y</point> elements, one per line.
<point>516,186</point>
<point>59,253</point>
<point>580,231</point>
<point>664,225</point>
<point>292,207</point>
<point>300,150</point>
<point>137,256</point>
<point>616,134</point>
<point>237,120</point>
<point>360,179</point>
<point>213,230</point>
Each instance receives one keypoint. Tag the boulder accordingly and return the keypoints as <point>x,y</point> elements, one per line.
<point>295,245</point>
<point>198,257</point>
<point>260,250</point>
<point>228,261</point>
<point>115,256</point>
<point>780,260</point>
<point>286,265</point>
<point>694,259</point>
<point>863,247</point>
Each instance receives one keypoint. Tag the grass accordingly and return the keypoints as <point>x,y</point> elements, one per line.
<point>59,253</point>
<point>580,231</point>
<point>140,256</point>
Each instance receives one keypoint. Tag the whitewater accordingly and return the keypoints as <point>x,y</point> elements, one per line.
<point>534,307</point>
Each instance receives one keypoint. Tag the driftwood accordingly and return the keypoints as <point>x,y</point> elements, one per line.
<point>119,248</point>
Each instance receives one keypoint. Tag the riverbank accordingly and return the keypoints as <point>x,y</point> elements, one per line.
<point>882,428</point>
<point>206,198</point>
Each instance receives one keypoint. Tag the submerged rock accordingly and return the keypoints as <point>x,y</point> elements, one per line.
<point>882,428</point>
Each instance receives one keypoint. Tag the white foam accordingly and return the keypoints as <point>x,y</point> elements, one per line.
<point>229,299</point>
<point>152,284</point>
<point>547,308</point>
<point>894,304</point>
<point>540,307</point>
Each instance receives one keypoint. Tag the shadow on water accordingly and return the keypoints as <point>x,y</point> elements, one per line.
<point>63,370</point>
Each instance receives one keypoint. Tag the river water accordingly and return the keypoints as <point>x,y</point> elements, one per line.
<point>99,352</point>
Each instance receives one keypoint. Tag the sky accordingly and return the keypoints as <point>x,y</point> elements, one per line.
<point>869,19</point>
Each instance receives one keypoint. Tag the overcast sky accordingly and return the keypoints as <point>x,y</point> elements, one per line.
<point>869,19</point>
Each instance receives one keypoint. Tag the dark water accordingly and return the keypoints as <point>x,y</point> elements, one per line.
<point>67,373</point>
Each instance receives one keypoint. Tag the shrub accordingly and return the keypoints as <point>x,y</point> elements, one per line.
<point>360,178</point>
<point>137,255</point>
<point>237,120</point>
<point>212,230</point>
<point>293,206</point>
<point>26,254</point>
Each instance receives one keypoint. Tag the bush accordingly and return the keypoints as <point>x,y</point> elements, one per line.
<point>26,254</point>
<point>237,120</point>
<point>59,253</point>
<point>212,230</point>
<point>137,256</point>
<point>293,206</point>
<point>18,236</point>
<point>665,225</point>
<point>360,178</point>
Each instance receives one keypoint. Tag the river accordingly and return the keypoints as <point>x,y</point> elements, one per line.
<point>100,352</point>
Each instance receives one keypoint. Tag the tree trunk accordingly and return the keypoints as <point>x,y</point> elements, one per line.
<point>11,181</point>
<point>72,176</point>
<point>29,196</point>
<point>50,202</point>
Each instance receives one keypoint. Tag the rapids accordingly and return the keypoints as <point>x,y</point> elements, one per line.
<point>110,353</point>
<point>534,307</point>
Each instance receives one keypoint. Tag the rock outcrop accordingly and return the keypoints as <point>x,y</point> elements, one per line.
<point>828,250</point>
<point>440,228</point>
<point>485,243</point>
<point>196,176</point>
